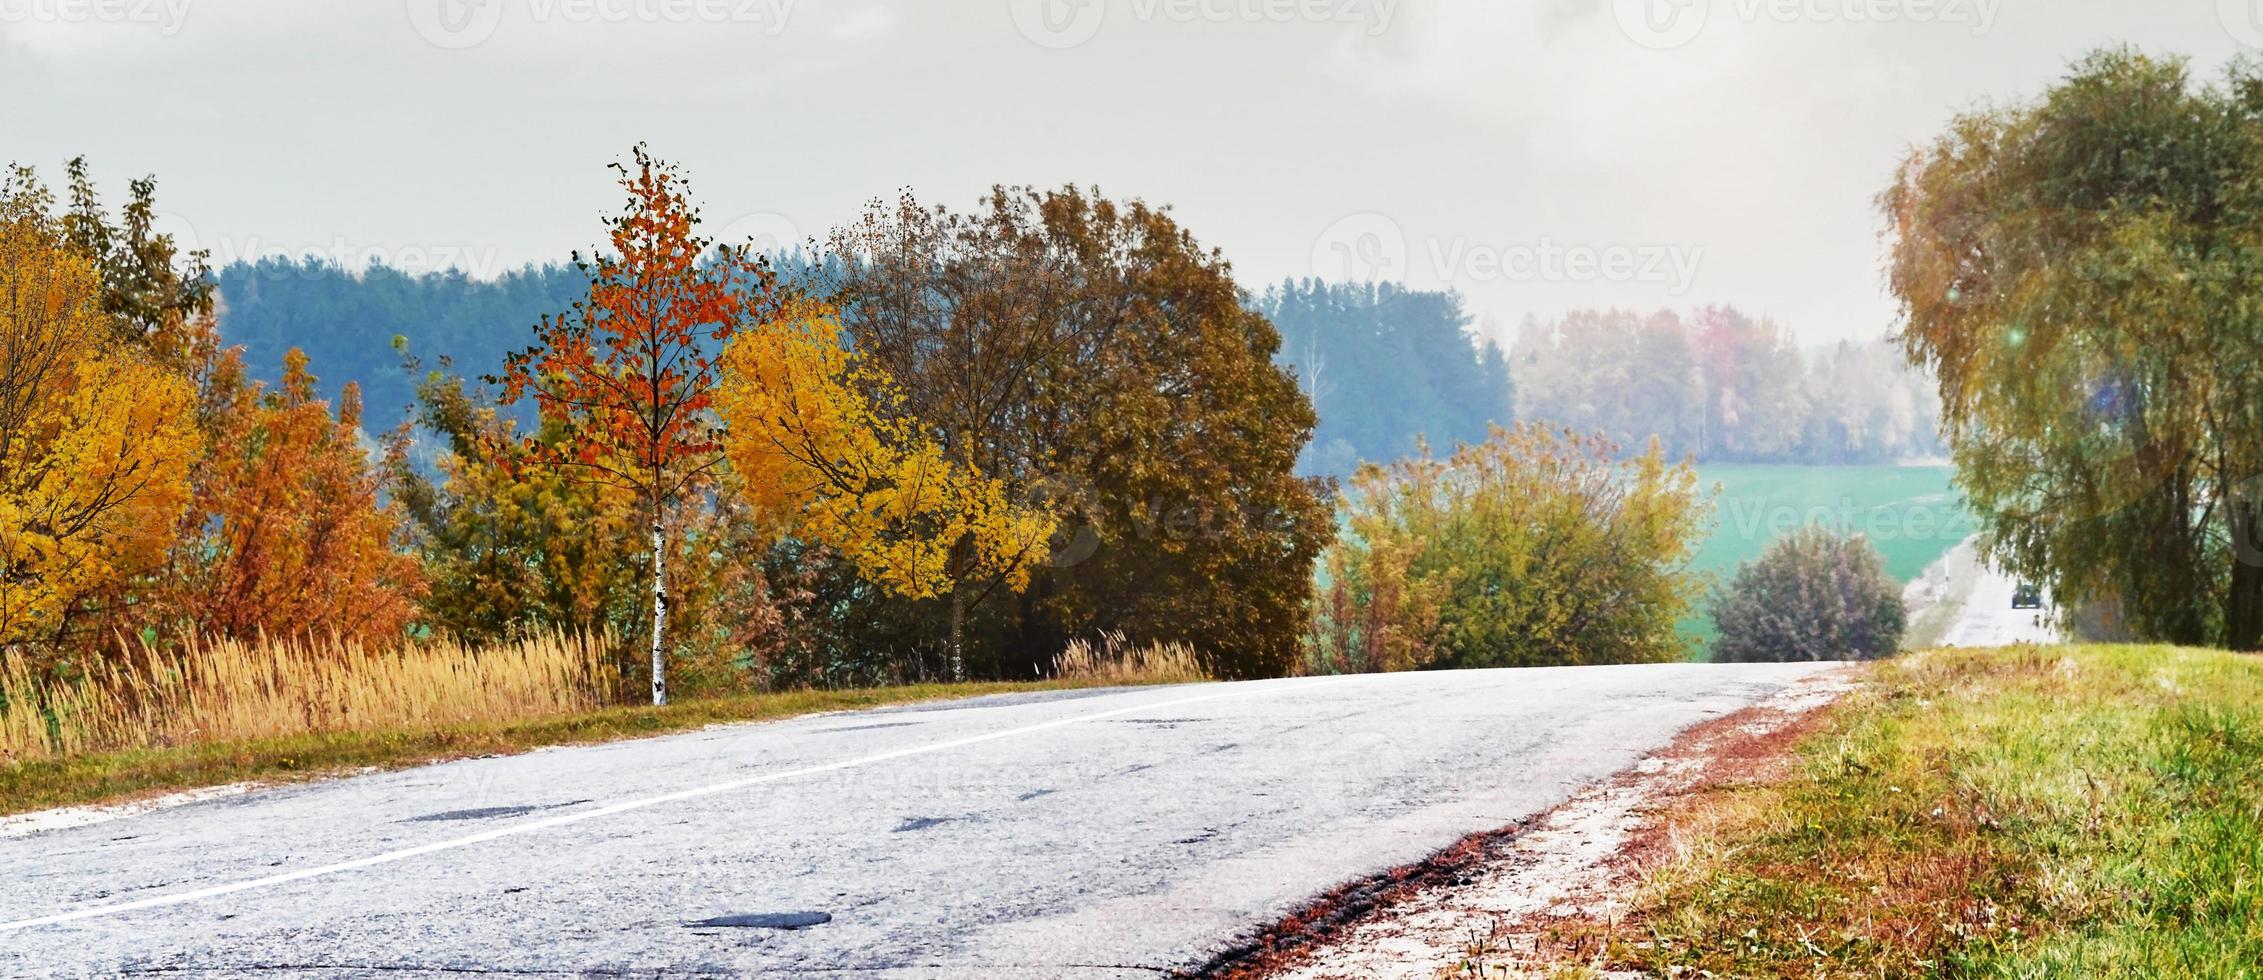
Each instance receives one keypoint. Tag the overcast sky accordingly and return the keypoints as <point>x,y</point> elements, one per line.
<point>1539,156</point>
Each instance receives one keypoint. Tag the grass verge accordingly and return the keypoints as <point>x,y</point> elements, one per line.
<point>101,777</point>
<point>2033,813</point>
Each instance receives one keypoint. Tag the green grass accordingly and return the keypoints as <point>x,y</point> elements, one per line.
<point>112,776</point>
<point>2030,813</point>
<point>1912,513</point>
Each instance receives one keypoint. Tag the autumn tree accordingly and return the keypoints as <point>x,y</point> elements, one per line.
<point>1096,360</point>
<point>1537,547</point>
<point>625,380</point>
<point>816,433</point>
<point>288,534</point>
<point>1375,614</point>
<point>511,549</point>
<point>2079,273</point>
<point>95,441</point>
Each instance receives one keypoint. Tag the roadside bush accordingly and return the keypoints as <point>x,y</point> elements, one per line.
<point>1536,547</point>
<point>1812,596</point>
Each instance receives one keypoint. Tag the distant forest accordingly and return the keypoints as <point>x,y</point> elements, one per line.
<point>347,322</point>
<point>1383,365</point>
<point>1725,387</point>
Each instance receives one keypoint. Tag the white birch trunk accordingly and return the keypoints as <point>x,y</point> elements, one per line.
<point>659,617</point>
<point>958,636</point>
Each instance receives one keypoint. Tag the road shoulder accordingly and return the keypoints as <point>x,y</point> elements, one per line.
<point>1495,899</point>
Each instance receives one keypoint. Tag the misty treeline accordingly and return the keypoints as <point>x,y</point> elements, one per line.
<point>1386,367</point>
<point>1721,386</point>
<point>1383,365</point>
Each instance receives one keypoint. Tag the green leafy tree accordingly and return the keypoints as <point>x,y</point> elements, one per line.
<point>1813,595</point>
<point>2079,271</point>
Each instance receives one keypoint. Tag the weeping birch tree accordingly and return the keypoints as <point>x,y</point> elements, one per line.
<point>626,378</point>
<point>2080,273</point>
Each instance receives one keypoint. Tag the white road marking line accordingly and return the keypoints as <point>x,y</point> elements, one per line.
<point>606,811</point>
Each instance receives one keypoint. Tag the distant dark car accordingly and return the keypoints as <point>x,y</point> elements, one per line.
<point>2027,596</point>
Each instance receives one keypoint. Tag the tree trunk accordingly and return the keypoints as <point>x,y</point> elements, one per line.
<point>2243,602</point>
<point>659,616</point>
<point>958,636</point>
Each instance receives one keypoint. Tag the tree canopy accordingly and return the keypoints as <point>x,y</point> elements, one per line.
<point>2079,272</point>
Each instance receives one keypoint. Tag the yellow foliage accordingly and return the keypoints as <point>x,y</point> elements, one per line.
<point>95,445</point>
<point>813,447</point>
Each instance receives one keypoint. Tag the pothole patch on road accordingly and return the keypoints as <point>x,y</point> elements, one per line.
<point>788,921</point>
<point>868,728</point>
<point>489,812</point>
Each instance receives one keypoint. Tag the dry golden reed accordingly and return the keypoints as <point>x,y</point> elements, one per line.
<point>230,690</point>
<point>1116,661</point>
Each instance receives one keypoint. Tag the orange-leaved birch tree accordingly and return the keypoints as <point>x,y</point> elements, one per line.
<point>820,436</point>
<point>628,375</point>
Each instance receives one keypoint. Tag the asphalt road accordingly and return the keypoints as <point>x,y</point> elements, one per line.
<point>1117,833</point>
<point>1988,619</point>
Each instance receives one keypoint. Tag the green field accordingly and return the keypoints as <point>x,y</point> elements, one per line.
<point>1912,513</point>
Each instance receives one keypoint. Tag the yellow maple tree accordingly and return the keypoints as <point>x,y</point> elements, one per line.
<point>95,443</point>
<point>818,434</point>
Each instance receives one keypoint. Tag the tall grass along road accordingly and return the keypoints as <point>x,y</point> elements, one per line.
<point>1116,831</point>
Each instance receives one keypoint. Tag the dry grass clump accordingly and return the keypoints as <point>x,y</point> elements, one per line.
<point>1118,661</point>
<point>230,690</point>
